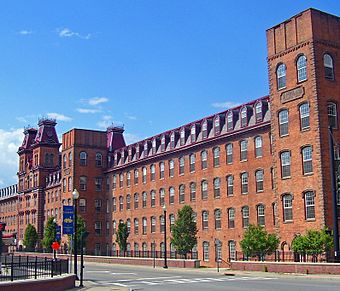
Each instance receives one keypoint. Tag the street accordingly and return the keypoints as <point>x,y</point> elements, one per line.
<point>148,278</point>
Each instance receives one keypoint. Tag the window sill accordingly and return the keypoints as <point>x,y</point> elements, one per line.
<point>259,157</point>
<point>310,219</point>
<point>302,81</point>
<point>282,88</point>
<point>284,135</point>
<point>308,174</point>
<point>305,129</point>
<point>260,191</point>
<point>242,161</point>
<point>245,193</point>
<point>286,178</point>
<point>288,222</point>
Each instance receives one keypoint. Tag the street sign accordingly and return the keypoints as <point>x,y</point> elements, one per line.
<point>68,216</point>
<point>55,246</point>
<point>58,233</point>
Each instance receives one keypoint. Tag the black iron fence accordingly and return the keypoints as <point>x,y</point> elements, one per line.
<point>153,254</point>
<point>285,256</point>
<point>27,267</point>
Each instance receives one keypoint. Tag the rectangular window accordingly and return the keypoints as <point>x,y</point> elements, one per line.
<point>283,122</point>
<point>98,182</point>
<point>304,116</point>
<point>244,150</point>
<point>181,165</point>
<point>307,160</point>
<point>98,227</point>
<point>229,149</point>
<point>285,164</point>
<point>245,216</point>
<point>216,157</point>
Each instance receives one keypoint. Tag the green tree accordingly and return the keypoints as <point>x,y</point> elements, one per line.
<point>258,242</point>
<point>30,238</point>
<point>184,231</point>
<point>81,230</point>
<point>122,236</point>
<point>314,242</point>
<point>49,234</point>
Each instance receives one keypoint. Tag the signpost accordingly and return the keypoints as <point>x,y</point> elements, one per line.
<point>58,233</point>
<point>68,217</point>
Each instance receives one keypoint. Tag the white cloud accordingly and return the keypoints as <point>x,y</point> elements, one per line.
<point>105,122</point>
<point>225,105</point>
<point>86,110</point>
<point>129,116</point>
<point>97,100</point>
<point>66,32</point>
<point>9,144</point>
<point>25,32</point>
<point>131,138</point>
<point>60,117</point>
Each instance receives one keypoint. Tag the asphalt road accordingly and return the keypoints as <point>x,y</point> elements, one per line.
<point>148,278</point>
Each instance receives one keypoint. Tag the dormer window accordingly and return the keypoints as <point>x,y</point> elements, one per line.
<point>146,149</point>
<point>172,140</point>
<point>217,125</point>
<point>130,153</point>
<point>163,143</point>
<point>205,129</point>
<point>154,146</point>
<point>193,133</point>
<point>137,151</point>
<point>244,117</point>
<point>182,139</point>
<point>230,124</point>
<point>258,112</point>
<point>122,157</point>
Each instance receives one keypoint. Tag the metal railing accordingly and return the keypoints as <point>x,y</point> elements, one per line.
<point>153,254</point>
<point>27,267</point>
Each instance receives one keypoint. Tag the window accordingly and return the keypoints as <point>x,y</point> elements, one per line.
<point>163,143</point>
<point>287,207</point>
<point>152,172</point>
<point>328,65</point>
<point>193,133</point>
<point>309,205</point>
<point>144,197</point>
<point>258,146</point>
<point>136,200</point>
<point>204,190</point>
<point>332,115</point>
<point>98,204</point>
<point>171,195</point>
<point>307,160</point>
<point>285,164</point>
<point>231,218</point>
<point>258,112</point>
<point>145,225</point>
<point>217,188</point>
<point>136,176</point>
<point>338,204</point>
<point>281,76</point>
<point>217,125</point>
<point>245,216</point>
<point>232,250</point>
<point>205,218</point>
<point>161,170</point>
<point>83,158</point>
<point>181,195</point>
<point>98,227</point>
<point>260,214</point>
<point>192,191</point>
<point>229,150</point>
<point>230,185</point>
<point>128,179</point>
<point>121,180</point>
<point>217,215</point>
<point>204,159</point>
<point>230,125</point>
<point>182,137</point>
<point>146,149</point>
<point>153,224</point>
<point>206,251</point>
<point>161,196</point>
<point>216,156</point>
<point>172,140</point>
<point>192,160</point>
<point>153,198</point>
<point>304,116</point>
<point>82,183</point>
<point>181,165</point>
<point>144,175</point>
<point>205,129</point>
<point>301,66</point>
<point>244,150</point>
<point>172,221</point>
<point>171,168</point>
<point>128,202</point>
<point>128,225</point>
<point>99,160</point>
<point>98,183</point>
<point>121,203</point>
<point>283,122</point>
<point>114,183</point>
<point>244,183</point>
<point>154,146</point>
<point>114,204</point>
<point>259,180</point>
<point>64,161</point>
<point>69,184</point>
<point>244,117</point>
<point>161,223</point>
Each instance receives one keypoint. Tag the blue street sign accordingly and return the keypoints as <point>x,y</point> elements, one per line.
<point>68,216</point>
<point>58,233</point>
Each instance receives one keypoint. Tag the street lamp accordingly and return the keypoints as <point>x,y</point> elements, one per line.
<point>75,195</point>
<point>165,258</point>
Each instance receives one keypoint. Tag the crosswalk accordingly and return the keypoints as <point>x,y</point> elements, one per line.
<point>177,280</point>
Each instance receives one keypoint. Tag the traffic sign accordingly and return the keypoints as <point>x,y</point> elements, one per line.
<point>55,245</point>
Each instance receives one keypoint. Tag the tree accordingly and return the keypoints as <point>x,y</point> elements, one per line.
<point>184,231</point>
<point>258,242</point>
<point>49,234</point>
<point>314,242</point>
<point>30,238</point>
<point>81,231</point>
<point>122,236</point>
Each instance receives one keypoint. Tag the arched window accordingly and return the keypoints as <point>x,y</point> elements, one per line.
<point>283,122</point>
<point>144,174</point>
<point>161,196</point>
<point>258,112</point>
<point>232,250</point>
<point>192,191</point>
<point>258,146</point>
<point>171,195</point>
<point>204,159</point>
<point>217,215</point>
<point>244,150</point>
<point>301,66</point>
<point>193,133</point>
<point>244,117</point>
<point>245,216</point>
<point>144,224</point>
<point>145,199</point>
<point>281,76</point>
<point>136,200</point>
<point>304,116</point>
<point>259,180</point>
<point>181,195</point>
<point>121,203</point>
<point>172,221</point>
<point>99,159</point>
<point>230,185</point>
<point>152,172</point>
<point>329,67</point>
<point>332,115</point>
<point>309,205</point>
<point>217,188</point>
<point>260,214</point>
<point>161,223</point>
<point>70,159</point>
<point>83,158</point>
<point>229,150</point>
<point>153,198</point>
<point>128,201</point>
<point>192,160</point>
<point>206,251</point>
<point>230,122</point>
<point>231,218</point>
<point>217,125</point>
<point>82,183</point>
<point>205,129</point>
<point>128,225</point>
<point>244,183</point>
<point>171,168</point>
<point>128,178</point>
<point>307,160</point>
<point>161,170</point>
<point>287,201</point>
<point>181,165</point>
<point>216,156</point>
<point>70,186</point>
<point>136,174</point>
<point>205,220</point>
<point>153,224</point>
<point>285,164</point>
<point>64,161</point>
<point>204,190</point>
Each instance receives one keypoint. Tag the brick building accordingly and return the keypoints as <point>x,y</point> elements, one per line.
<point>264,162</point>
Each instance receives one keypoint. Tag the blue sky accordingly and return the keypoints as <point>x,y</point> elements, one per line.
<point>150,65</point>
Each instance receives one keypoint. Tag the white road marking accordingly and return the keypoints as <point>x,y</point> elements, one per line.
<point>123,274</point>
<point>153,278</point>
<point>119,284</point>
<point>104,271</point>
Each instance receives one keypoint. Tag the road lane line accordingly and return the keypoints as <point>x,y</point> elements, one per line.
<point>153,278</point>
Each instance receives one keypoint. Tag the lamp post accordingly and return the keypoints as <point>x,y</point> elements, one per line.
<point>165,257</point>
<point>75,195</point>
